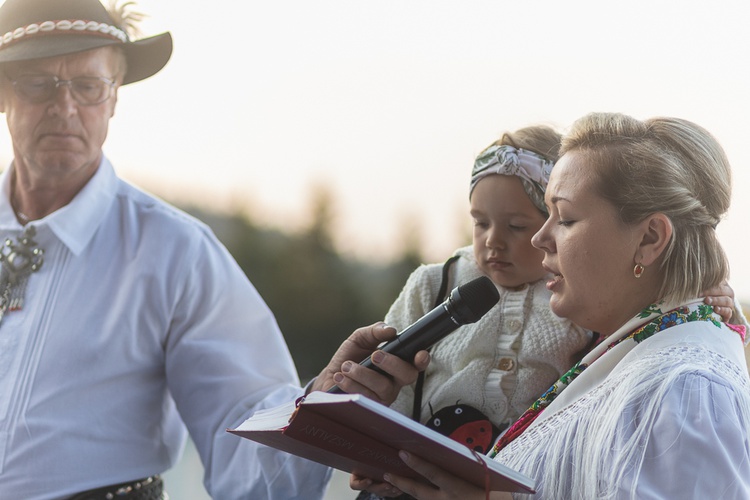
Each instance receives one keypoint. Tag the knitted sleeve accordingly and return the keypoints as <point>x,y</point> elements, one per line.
<point>416,299</point>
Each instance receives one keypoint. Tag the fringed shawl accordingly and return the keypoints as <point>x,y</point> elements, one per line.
<point>667,418</point>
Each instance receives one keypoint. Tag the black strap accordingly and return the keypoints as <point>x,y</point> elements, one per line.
<point>416,411</point>
<point>441,296</point>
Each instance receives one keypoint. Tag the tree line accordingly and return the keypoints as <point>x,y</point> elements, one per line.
<point>317,295</point>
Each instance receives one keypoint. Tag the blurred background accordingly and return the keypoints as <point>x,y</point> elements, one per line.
<point>329,143</point>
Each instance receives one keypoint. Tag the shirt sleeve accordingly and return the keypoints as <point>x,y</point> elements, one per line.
<point>698,446</point>
<point>225,359</point>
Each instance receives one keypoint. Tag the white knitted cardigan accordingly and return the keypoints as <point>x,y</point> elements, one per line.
<point>669,418</point>
<point>521,334</point>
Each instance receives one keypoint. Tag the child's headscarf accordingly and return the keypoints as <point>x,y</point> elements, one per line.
<point>533,169</point>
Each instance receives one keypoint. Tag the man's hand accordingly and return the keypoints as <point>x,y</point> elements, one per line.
<point>344,369</point>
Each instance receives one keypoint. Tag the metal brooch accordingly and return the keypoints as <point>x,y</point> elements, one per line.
<point>17,261</point>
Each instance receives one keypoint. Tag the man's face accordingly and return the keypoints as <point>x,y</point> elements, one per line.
<point>59,139</point>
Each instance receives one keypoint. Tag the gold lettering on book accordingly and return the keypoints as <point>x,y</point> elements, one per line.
<point>380,457</point>
<point>328,437</point>
<point>340,442</point>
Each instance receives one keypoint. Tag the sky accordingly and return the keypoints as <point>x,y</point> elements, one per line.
<point>386,103</point>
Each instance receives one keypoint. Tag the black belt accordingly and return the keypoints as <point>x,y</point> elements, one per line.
<point>150,488</point>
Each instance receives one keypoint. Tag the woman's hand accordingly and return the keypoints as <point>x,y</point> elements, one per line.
<point>445,486</point>
<point>345,371</point>
<point>385,490</point>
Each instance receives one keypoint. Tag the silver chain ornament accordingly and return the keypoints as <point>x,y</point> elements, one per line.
<point>17,261</point>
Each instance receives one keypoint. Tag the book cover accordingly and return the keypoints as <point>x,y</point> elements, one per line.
<point>352,433</point>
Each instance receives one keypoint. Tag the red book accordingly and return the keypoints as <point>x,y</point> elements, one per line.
<point>352,433</point>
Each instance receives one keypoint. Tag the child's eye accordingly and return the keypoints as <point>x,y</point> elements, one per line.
<point>565,223</point>
<point>517,228</point>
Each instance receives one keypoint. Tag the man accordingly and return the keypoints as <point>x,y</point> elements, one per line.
<point>123,321</point>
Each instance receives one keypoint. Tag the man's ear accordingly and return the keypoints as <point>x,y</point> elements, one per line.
<point>655,237</point>
<point>5,89</point>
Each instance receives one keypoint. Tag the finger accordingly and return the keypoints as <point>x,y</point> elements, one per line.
<point>443,484</point>
<point>722,290</point>
<point>382,332</point>
<point>381,489</point>
<point>722,305</point>
<point>368,338</point>
<point>356,347</point>
<point>350,385</point>
<point>386,387</point>
<point>384,490</point>
<point>353,378</point>
<point>363,342</point>
<point>359,483</point>
<point>402,371</point>
<point>422,360</point>
<point>358,379</point>
<point>718,300</point>
<point>429,471</point>
<point>387,490</point>
<point>726,313</point>
<point>414,488</point>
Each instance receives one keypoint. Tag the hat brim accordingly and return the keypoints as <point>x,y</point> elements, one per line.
<point>145,57</point>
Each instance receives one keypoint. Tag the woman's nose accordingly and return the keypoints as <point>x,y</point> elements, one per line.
<point>541,239</point>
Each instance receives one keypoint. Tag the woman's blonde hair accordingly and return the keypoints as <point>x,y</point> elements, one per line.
<point>666,165</point>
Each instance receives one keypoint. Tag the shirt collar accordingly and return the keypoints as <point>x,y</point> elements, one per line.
<point>75,223</point>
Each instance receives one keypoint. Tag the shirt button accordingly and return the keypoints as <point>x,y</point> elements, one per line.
<point>515,325</point>
<point>506,364</point>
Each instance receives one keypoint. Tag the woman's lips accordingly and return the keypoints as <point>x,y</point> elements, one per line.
<point>552,284</point>
<point>556,277</point>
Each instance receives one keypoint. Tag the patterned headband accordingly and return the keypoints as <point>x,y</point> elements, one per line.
<point>533,169</point>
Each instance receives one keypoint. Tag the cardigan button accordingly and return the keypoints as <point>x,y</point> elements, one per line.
<point>506,364</point>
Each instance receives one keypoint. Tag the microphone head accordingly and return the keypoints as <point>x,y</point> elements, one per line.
<point>472,300</point>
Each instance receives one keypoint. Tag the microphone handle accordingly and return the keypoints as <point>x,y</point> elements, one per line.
<point>419,336</point>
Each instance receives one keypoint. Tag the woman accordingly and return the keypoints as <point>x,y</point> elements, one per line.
<point>661,408</point>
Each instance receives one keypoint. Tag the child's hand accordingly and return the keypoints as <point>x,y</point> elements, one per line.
<point>722,299</point>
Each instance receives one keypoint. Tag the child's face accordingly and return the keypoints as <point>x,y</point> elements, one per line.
<point>505,219</point>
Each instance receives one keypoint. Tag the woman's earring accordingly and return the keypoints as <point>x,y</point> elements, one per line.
<point>638,270</point>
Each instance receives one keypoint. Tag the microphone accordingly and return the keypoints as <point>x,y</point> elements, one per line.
<point>465,304</point>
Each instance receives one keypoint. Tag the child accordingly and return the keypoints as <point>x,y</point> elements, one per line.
<point>492,370</point>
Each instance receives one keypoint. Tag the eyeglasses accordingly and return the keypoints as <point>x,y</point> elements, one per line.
<point>86,90</point>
